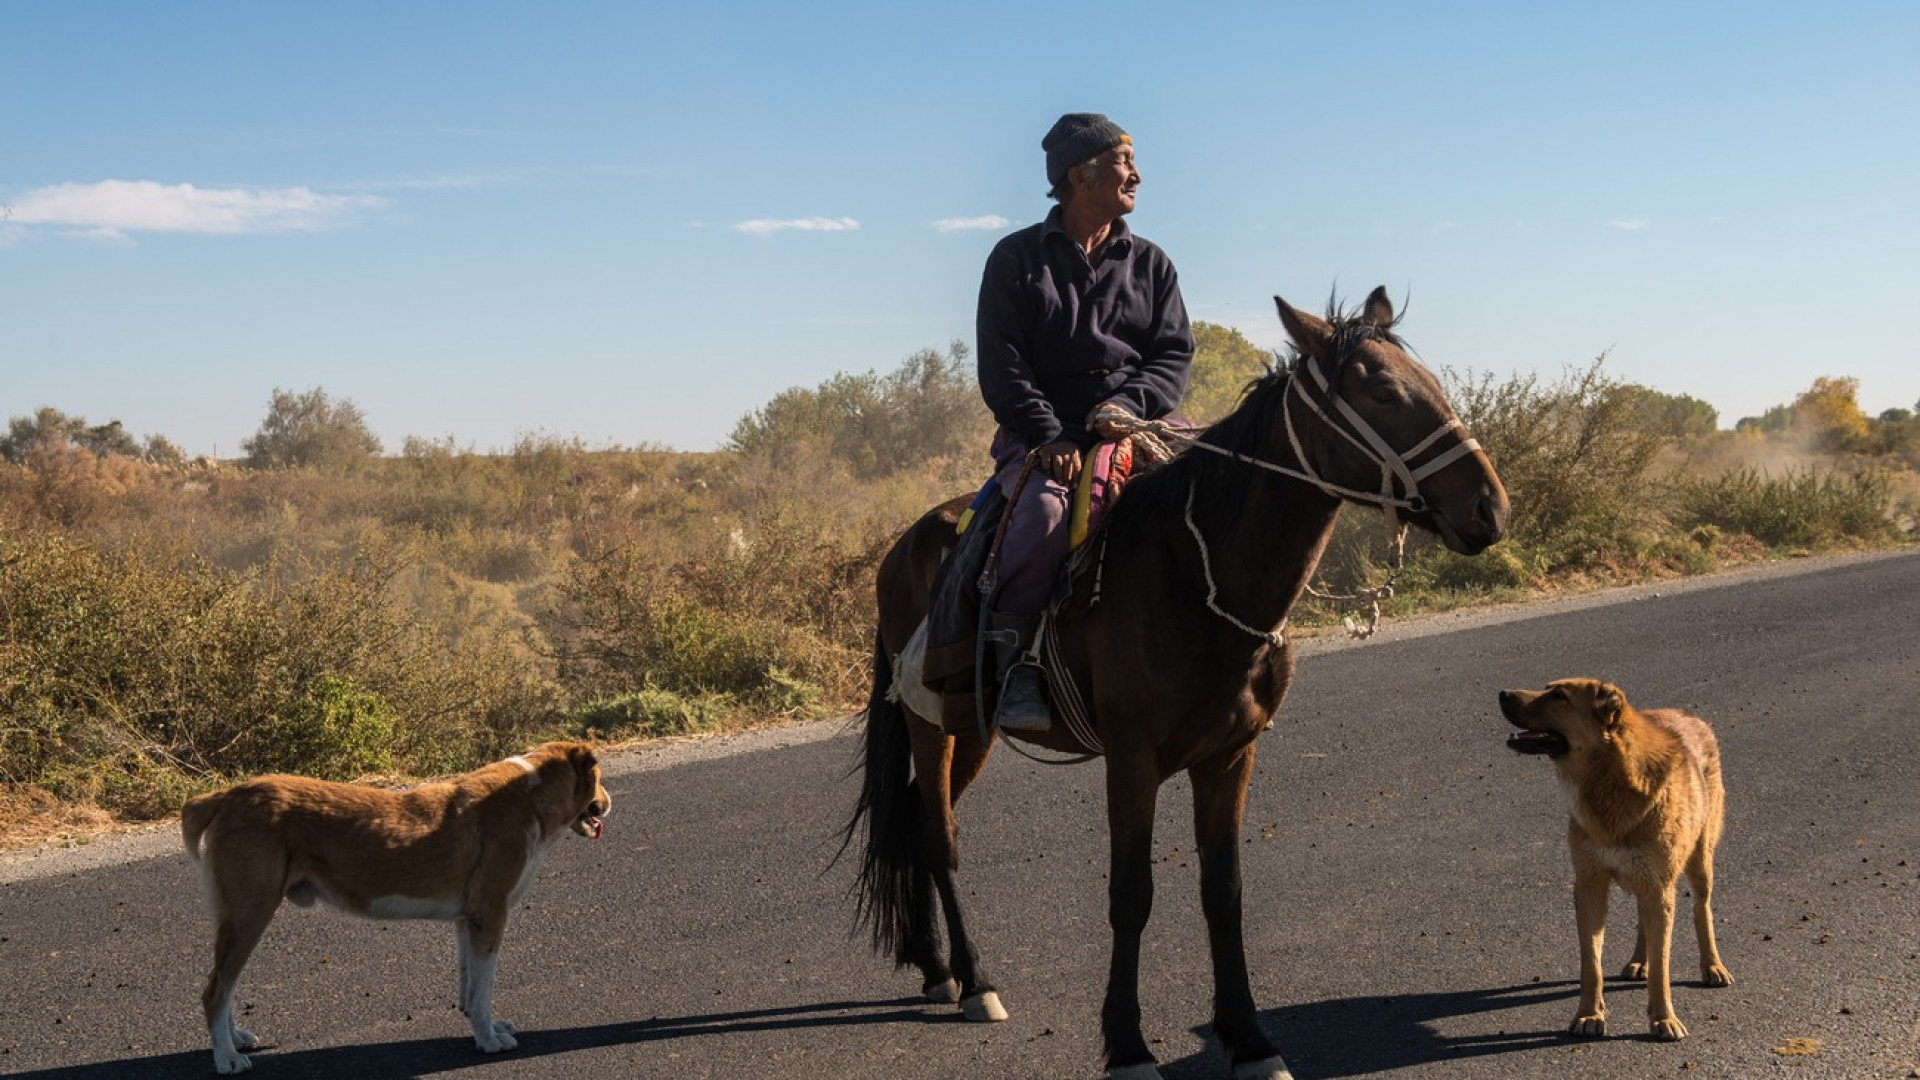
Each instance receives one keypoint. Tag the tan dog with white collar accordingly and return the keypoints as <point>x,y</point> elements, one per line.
<point>462,851</point>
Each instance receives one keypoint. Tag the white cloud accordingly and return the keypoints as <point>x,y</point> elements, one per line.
<point>118,207</point>
<point>769,226</point>
<point>961,224</point>
<point>110,237</point>
<point>1632,224</point>
<point>451,182</point>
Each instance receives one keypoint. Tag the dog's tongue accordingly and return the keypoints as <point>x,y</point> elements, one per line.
<point>596,826</point>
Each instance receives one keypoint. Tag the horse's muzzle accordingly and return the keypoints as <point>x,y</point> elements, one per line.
<point>1477,525</point>
<point>1490,512</point>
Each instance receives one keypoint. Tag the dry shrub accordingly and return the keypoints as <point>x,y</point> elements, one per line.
<point>1573,456</point>
<point>30,815</point>
<point>133,676</point>
<point>771,615</point>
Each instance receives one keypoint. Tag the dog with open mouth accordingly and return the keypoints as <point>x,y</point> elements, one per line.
<point>1645,803</point>
<point>463,851</point>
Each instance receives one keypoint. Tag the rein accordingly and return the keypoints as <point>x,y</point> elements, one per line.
<point>1364,438</point>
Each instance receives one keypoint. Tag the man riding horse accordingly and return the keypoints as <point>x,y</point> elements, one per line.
<point>1075,313</point>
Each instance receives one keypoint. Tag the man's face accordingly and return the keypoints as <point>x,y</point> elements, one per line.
<point>1108,184</point>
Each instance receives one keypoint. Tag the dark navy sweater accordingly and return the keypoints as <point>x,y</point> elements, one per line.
<point>1059,333</point>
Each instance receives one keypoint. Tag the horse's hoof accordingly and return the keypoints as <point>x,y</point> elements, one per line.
<point>1146,1070</point>
<point>1267,1069</point>
<point>946,992</point>
<point>983,1008</point>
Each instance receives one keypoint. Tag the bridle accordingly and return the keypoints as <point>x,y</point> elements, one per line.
<point>1393,464</point>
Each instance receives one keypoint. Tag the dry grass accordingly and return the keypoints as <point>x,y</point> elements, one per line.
<point>31,817</point>
<point>172,628</point>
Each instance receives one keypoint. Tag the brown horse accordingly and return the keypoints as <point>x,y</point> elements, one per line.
<point>1180,663</point>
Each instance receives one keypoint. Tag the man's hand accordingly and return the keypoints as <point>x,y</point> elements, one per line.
<point>1060,460</point>
<point>1110,421</point>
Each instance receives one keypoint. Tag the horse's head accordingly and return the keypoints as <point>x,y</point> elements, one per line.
<point>1369,418</point>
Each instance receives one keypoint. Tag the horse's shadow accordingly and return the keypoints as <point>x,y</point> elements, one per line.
<point>1361,1036</point>
<point>438,1056</point>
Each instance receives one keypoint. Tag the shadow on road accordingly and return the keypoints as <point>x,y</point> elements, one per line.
<point>1362,1036</point>
<point>438,1056</point>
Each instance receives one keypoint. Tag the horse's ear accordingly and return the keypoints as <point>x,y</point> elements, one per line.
<point>1379,310</point>
<point>1308,334</point>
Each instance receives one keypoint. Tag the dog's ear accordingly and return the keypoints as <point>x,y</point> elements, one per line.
<point>1609,704</point>
<point>583,759</point>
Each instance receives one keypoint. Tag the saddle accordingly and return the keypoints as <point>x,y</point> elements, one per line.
<point>941,662</point>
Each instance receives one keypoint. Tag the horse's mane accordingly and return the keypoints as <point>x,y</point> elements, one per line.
<point>1246,429</point>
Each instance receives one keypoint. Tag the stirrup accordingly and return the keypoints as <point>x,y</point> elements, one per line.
<point>1023,699</point>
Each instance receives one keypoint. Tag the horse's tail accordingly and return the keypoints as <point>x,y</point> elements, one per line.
<point>889,805</point>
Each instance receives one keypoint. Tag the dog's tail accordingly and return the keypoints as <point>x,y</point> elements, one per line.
<point>195,817</point>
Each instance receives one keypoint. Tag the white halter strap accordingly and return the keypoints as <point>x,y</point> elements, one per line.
<point>1393,464</point>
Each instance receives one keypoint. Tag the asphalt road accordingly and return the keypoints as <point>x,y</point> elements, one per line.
<point>1409,907</point>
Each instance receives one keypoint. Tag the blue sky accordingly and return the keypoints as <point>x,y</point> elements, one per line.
<point>634,223</point>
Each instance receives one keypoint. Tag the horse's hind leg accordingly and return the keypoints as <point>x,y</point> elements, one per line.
<point>922,946</point>
<point>943,767</point>
<point>1219,797</point>
<point>242,912</point>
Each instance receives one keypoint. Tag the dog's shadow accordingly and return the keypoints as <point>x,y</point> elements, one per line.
<point>1367,1035</point>
<point>424,1057</point>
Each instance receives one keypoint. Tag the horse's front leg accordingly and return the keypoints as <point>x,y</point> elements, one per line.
<point>1131,793</point>
<point>1219,798</point>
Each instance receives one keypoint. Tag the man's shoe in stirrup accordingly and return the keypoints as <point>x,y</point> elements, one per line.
<point>1023,688</point>
<point>1023,701</point>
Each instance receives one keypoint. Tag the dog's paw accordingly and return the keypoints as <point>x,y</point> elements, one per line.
<point>504,1027</point>
<point>1716,975</point>
<point>1634,970</point>
<point>1669,1029</point>
<point>229,1064</point>
<point>1590,1026</point>
<point>496,1040</point>
<point>244,1039</point>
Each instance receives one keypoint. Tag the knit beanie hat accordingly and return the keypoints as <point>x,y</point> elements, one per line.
<point>1078,137</point>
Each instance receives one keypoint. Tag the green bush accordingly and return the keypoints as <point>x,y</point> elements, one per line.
<point>651,713</point>
<point>1506,569</point>
<point>1800,509</point>
<point>335,731</point>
